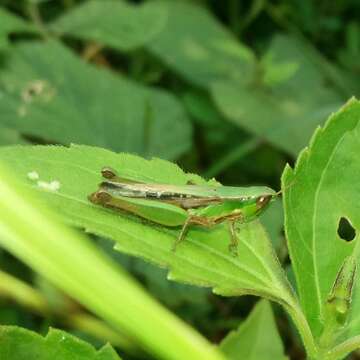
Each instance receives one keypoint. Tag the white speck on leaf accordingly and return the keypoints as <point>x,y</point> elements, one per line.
<point>50,186</point>
<point>33,175</point>
<point>55,185</point>
<point>40,89</point>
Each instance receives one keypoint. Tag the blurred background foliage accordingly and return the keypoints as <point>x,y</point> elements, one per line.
<point>228,89</point>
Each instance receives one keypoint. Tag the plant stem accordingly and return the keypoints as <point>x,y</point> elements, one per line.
<point>302,325</point>
<point>91,325</point>
<point>35,15</point>
<point>341,350</point>
<point>24,294</point>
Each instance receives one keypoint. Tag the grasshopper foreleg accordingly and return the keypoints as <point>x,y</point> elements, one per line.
<point>234,241</point>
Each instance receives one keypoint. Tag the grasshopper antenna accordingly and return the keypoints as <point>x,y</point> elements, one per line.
<point>285,188</point>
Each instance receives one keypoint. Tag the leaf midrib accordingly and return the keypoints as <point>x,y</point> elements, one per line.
<point>314,218</point>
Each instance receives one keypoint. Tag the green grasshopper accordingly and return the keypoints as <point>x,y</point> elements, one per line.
<point>186,205</point>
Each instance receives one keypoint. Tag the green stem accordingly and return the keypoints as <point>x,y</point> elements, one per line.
<point>24,294</point>
<point>91,325</point>
<point>21,292</point>
<point>303,327</point>
<point>232,156</point>
<point>35,15</point>
<point>341,350</point>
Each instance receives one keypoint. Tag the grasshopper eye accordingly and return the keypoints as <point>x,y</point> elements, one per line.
<point>262,201</point>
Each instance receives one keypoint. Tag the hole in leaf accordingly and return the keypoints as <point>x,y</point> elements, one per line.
<point>345,230</point>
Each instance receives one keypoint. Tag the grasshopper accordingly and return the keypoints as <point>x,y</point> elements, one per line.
<point>173,205</point>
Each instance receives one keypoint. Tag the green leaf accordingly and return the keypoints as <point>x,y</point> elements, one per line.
<point>3,42</point>
<point>18,344</point>
<point>197,46</point>
<point>172,294</point>
<point>32,233</point>
<point>287,113</point>
<point>118,24</point>
<point>322,189</point>
<point>10,136</point>
<point>48,92</point>
<point>277,72</point>
<point>273,220</point>
<point>257,338</point>
<point>203,259</point>
<point>11,23</point>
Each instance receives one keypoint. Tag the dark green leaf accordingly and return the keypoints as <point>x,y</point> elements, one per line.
<point>19,344</point>
<point>322,189</point>
<point>257,338</point>
<point>118,24</point>
<point>10,137</point>
<point>48,92</point>
<point>197,46</point>
<point>287,113</point>
<point>10,23</point>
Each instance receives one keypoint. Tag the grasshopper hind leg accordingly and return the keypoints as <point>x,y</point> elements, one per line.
<point>182,234</point>
<point>234,241</point>
<point>191,220</point>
